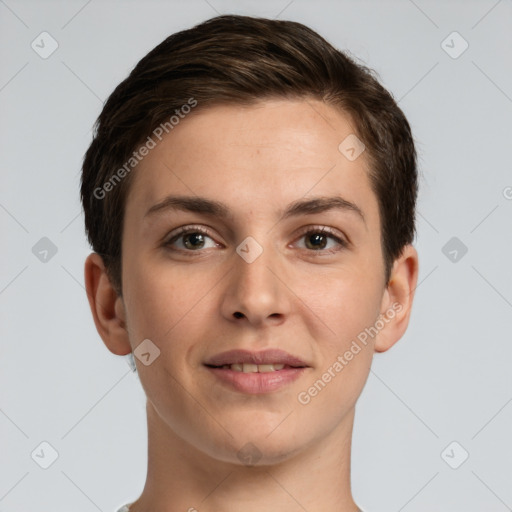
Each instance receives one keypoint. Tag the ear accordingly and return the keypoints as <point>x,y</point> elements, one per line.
<point>107,307</point>
<point>398,298</point>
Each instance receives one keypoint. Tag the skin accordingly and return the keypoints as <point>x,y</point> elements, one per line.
<point>255,159</point>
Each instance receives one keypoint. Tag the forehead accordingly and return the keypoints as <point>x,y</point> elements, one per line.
<point>256,157</point>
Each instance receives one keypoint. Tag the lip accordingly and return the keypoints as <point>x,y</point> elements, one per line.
<point>257,383</point>
<point>268,356</point>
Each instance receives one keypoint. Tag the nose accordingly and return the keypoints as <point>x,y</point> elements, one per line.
<point>255,292</point>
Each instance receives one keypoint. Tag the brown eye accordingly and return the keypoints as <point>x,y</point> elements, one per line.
<point>192,239</point>
<point>318,239</point>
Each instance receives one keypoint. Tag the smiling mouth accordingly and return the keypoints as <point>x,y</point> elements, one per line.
<point>257,379</point>
<point>255,368</point>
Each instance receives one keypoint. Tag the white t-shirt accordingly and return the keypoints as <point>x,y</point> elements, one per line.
<point>125,508</point>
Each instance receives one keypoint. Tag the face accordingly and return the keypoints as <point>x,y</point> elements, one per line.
<point>252,276</point>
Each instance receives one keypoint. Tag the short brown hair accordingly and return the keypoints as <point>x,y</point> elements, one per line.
<point>240,60</point>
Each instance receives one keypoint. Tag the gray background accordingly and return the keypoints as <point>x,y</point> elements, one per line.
<point>449,377</point>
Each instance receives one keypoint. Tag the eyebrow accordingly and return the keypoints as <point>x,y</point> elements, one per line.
<point>214,208</point>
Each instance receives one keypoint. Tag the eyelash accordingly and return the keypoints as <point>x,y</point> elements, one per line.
<point>322,230</point>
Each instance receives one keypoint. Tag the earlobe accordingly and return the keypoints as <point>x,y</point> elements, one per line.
<point>106,306</point>
<point>398,299</point>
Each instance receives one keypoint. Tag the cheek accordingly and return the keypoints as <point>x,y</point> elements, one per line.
<point>346,350</point>
<point>345,307</point>
<point>343,300</point>
<point>161,296</point>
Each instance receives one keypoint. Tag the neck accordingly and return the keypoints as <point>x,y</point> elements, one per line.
<point>182,478</point>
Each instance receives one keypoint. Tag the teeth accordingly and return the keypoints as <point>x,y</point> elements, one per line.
<point>253,368</point>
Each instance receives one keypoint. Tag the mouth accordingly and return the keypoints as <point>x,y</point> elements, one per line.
<point>271,359</point>
<point>256,372</point>
<point>253,379</point>
<point>255,368</point>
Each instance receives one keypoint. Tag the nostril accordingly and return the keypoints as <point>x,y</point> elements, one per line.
<point>238,314</point>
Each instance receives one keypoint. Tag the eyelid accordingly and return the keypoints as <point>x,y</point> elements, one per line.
<point>316,228</point>
<point>190,228</point>
<point>340,238</point>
